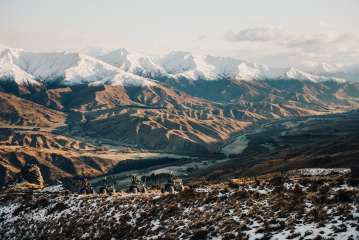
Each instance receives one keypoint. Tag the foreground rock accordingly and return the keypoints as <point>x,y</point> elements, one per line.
<point>303,210</point>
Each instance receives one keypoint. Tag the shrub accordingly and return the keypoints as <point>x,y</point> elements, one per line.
<point>58,207</point>
<point>317,214</point>
<point>294,235</point>
<point>352,181</point>
<point>324,189</point>
<point>344,196</point>
<point>27,197</point>
<point>304,181</point>
<point>19,209</point>
<point>187,194</point>
<point>41,202</point>
<point>278,189</point>
<point>277,181</point>
<point>199,234</point>
<point>243,194</point>
<point>297,189</point>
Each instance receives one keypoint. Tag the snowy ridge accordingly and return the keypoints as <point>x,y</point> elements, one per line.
<point>124,67</point>
<point>75,68</point>
<point>294,73</point>
<point>178,64</point>
<point>348,72</point>
<point>318,67</point>
<point>9,70</point>
<point>131,61</point>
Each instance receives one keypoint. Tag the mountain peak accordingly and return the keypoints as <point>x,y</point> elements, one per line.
<point>318,67</point>
<point>77,67</point>
<point>74,67</point>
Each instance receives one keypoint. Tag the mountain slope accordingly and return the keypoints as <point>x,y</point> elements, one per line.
<point>163,118</point>
<point>66,67</point>
<point>10,71</point>
<point>18,111</point>
<point>153,117</point>
<point>179,64</point>
<point>122,66</point>
<point>57,156</point>
<point>273,98</point>
<point>307,142</point>
<point>190,104</point>
<point>350,72</point>
<point>131,61</point>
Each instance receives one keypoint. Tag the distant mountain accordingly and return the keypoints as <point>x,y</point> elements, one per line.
<point>127,87</point>
<point>132,62</point>
<point>319,67</point>
<point>19,111</point>
<point>123,67</point>
<point>187,65</point>
<point>185,102</point>
<point>93,51</point>
<point>348,72</point>
<point>69,68</point>
<point>178,102</point>
<point>10,71</point>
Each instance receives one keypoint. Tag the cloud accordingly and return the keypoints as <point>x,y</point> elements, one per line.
<point>202,37</point>
<point>279,36</point>
<point>260,34</point>
<point>326,46</point>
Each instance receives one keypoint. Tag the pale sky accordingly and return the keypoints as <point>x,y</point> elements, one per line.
<point>274,32</point>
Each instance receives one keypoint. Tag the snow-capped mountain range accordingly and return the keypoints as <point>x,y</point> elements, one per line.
<point>187,65</point>
<point>124,67</point>
<point>75,68</point>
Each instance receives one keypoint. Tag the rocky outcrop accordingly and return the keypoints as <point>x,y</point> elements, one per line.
<point>31,173</point>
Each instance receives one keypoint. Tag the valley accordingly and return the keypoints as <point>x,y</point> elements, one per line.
<point>73,124</point>
<point>179,120</point>
<point>297,142</point>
